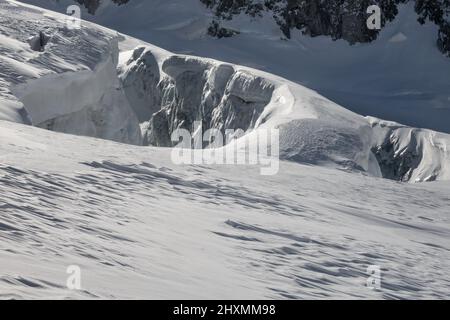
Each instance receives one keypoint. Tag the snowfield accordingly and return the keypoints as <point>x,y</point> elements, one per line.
<point>140,226</point>
<point>141,96</point>
<point>401,76</point>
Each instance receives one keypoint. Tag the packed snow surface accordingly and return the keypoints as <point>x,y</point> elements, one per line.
<point>140,227</point>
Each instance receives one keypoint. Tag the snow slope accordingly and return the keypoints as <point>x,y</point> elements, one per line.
<point>71,86</point>
<point>74,89</point>
<point>170,91</point>
<point>400,77</point>
<point>141,227</point>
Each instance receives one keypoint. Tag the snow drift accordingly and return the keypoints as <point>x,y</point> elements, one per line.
<point>81,84</point>
<point>169,92</point>
<point>140,226</point>
<point>70,85</point>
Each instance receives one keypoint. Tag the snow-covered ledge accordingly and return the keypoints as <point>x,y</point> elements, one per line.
<point>170,91</point>
<point>71,85</point>
<point>87,102</point>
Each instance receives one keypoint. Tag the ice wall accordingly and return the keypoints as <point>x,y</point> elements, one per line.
<point>181,90</point>
<point>90,103</point>
<point>410,154</point>
<point>70,84</point>
<point>168,92</point>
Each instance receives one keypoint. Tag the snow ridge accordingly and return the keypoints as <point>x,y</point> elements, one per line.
<point>71,85</point>
<point>170,92</point>
<point>140,226</point>
<point>157,92</point>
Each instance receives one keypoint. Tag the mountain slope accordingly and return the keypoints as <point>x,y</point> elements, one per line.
<point>401,76</point>
<point>70,84</point>
<point>157,92</point>
<point>139,226</point>
<point>170,92</point>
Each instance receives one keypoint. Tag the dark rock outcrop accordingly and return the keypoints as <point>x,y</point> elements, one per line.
<point>338,19</point>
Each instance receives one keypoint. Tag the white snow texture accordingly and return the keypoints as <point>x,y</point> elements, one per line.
<point>140,226</point>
